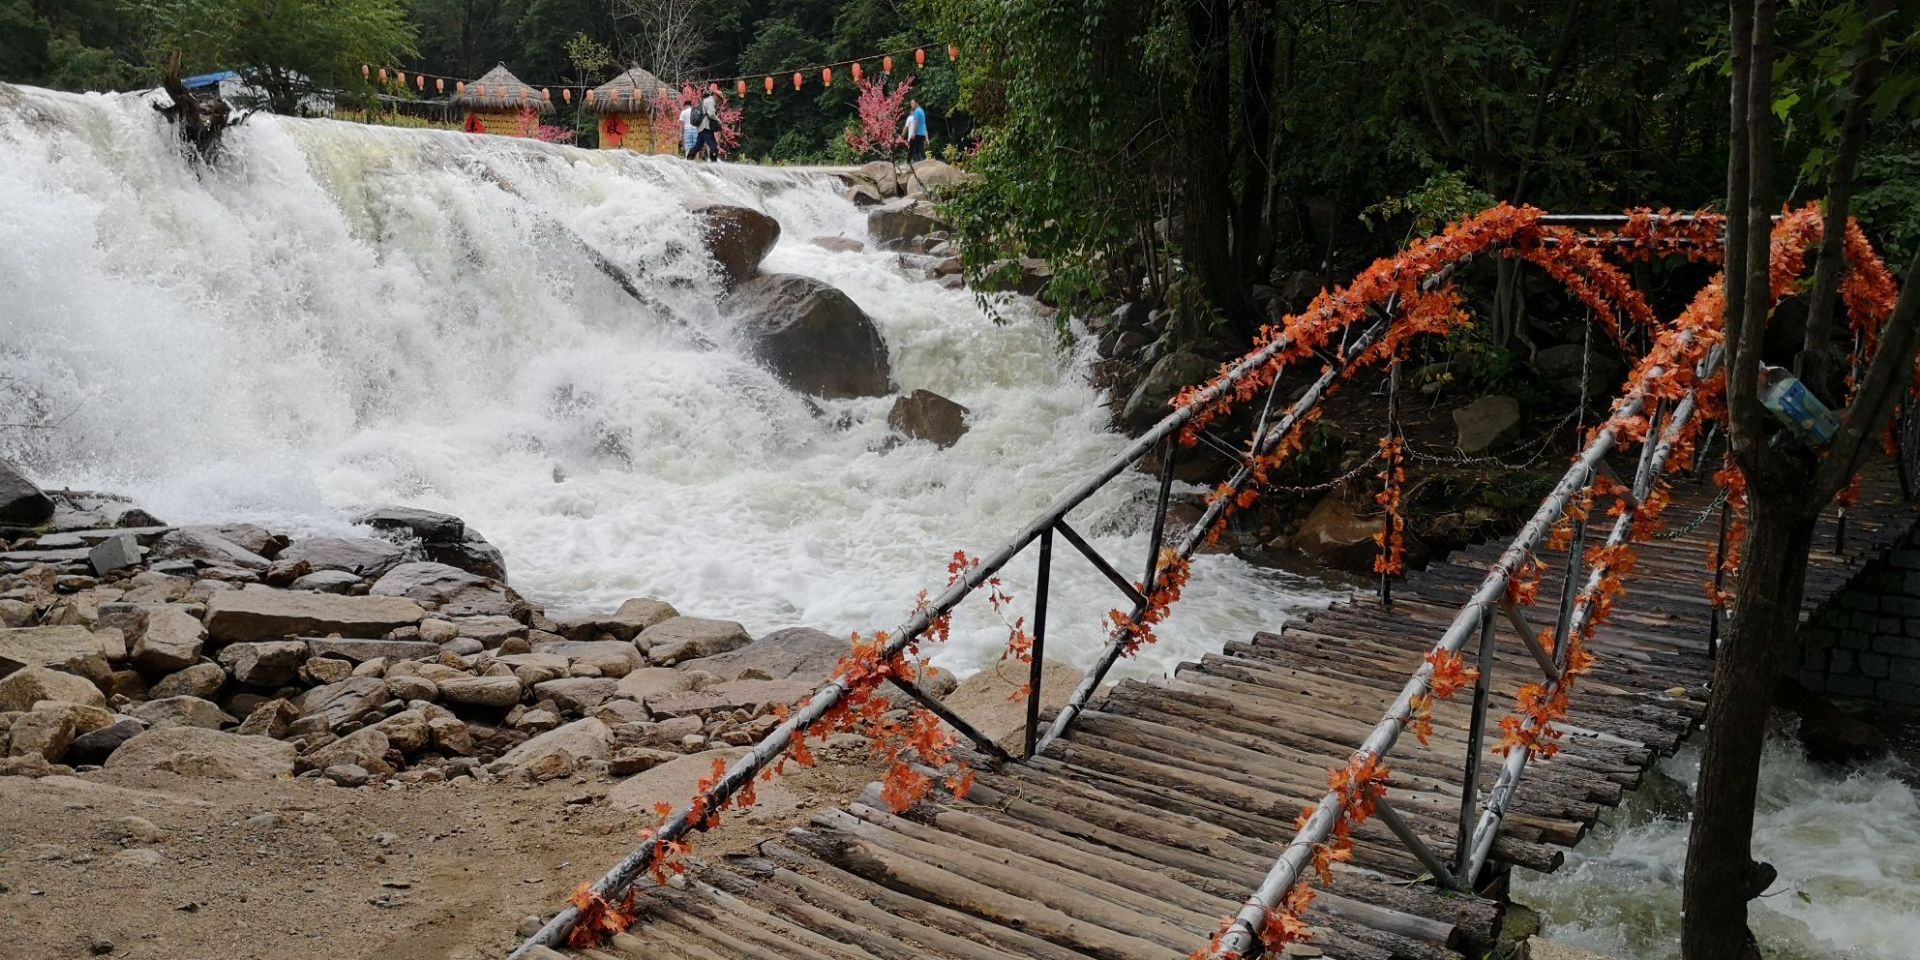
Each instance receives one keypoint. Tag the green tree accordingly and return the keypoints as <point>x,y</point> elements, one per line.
<point>287,48</point>
<point>466,38</point>
<point>79,45</point>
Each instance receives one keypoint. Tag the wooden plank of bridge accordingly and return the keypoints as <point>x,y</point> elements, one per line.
<point>1170,798</point>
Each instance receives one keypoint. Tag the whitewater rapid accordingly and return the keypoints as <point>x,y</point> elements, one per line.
<point>1847,848</point>
<point>336,316</point>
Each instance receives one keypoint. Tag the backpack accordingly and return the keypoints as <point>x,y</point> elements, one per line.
<point>698,118</point>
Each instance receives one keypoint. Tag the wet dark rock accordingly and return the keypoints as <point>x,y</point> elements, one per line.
<point>22,503</point>
<point>925,415</point>
<point>813,337</point>
<point>738,238</point>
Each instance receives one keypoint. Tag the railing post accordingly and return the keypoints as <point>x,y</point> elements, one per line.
<point>1393,462</point>
<point>1476,732</point>
<point>1576,550</point>
<point>1158,532</point>
<point>1039,639</point>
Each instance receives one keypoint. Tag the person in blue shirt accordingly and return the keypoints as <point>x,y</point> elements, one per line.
<point>916,134</point>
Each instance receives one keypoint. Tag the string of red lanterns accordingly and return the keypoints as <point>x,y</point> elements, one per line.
<point>740,84</point>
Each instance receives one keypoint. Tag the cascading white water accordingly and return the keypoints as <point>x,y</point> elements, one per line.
<point>336,316</point>
<point>1847,848</point>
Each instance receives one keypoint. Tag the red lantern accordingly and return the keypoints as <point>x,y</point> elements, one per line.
<point>856,72</point>
<point>546,94</point>
<point>440,85</point>
<point>364,70</point>
<point>400,76</point>
<point>953,52</point>
<point>769,85</point>
<point>826,76</point>
<point>383,74</point>
<point>920,58</point>
<point>589,97</point>
<point>796,80</point>
<point>460,88</point>
<point>420,82</point>
<point>886,64</point>
<point>566,94</point>
<point>740,87</point>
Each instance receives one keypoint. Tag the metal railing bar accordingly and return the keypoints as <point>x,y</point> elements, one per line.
<point>1476,732</point>
<point>1239,936</point>
<point>1099,562</point>
<point>954,720</point>
<point>1039,639</point>
<point>1531,638</point>
<point>1411,840</point>
<point>1196,535</point>
<point>1651,465</point>
<point>1576,544</point>
<point>1159,531</point>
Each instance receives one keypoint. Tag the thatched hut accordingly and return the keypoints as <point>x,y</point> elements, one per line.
<point>498,102</point>
<point>627,107</point>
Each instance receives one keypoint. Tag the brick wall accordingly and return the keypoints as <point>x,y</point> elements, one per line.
<point>1866,644</point>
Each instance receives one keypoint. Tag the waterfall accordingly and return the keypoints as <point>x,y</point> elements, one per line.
<point>336,316</point>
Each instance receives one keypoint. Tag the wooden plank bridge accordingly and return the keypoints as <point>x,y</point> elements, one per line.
<point>1130,837</point>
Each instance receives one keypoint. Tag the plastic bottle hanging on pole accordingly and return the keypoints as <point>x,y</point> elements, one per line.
<point>1797,407</point>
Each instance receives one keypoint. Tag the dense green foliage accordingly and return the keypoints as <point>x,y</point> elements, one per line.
<point>1188,150</point>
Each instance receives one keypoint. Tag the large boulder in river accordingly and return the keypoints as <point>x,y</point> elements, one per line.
<point>738,238</point>
<point>443,537</point>
<point>925,415</point>
<point>240,615</point>
<point>895,222</point>
<point>22,503</point>
<point>813,337</point>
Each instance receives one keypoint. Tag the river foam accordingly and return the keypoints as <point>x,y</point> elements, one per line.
<point>1847,848</point>
<point>338,316</point>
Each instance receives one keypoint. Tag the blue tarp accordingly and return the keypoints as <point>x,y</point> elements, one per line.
<point>209,79</point>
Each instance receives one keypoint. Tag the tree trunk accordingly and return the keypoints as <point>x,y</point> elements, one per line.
<point>1720,873</point>
<point>1207,188</point>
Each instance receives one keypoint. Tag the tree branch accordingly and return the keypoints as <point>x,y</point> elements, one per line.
<point>1742,367</point>
<point>1818,365</point>
<point>1889,376</point>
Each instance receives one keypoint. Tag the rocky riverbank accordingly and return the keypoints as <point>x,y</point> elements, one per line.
<point>402,657</point>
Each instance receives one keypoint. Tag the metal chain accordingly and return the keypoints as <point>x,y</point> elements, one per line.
<point>1340,480</point>
<point>1695,523</point>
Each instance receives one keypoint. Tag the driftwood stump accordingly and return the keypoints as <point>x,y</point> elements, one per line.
<point>201,122</point>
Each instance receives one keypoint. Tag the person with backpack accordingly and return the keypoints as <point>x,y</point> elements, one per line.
<point>916,130</point>
<point>689,134</point>
<point>706,116</point>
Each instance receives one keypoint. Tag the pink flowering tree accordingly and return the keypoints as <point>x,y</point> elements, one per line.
<point>882,112</point>
<point>728,136</point>
<point>665,137</point>
<point>530,126</point>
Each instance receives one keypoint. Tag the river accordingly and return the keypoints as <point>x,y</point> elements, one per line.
<point>336,316</point>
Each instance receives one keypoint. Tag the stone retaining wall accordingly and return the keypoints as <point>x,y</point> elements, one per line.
<point>1866,644</point>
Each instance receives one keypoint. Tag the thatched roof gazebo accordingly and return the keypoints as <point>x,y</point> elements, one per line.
<point>626,106</point>
<point>496,102</point>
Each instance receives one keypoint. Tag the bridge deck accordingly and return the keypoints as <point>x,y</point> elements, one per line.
<point>1132,837</point>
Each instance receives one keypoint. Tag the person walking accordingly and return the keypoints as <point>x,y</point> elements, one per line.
<point>916,130</point>
<point>689,134</point>
<point>709,127</point>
